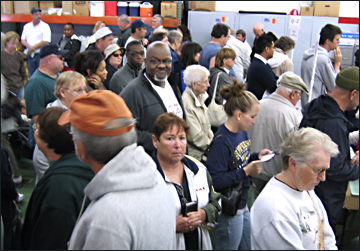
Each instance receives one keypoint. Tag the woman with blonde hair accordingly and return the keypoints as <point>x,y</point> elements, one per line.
<point>69,86</point>
<point>241,107</point>
<point>12,64</point>
<point>224,60</point>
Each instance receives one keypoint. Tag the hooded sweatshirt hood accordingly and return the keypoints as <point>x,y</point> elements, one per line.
<point>278,58</point>
<point>311,52</point>
<point>114,177</point>
<point>324,107</point>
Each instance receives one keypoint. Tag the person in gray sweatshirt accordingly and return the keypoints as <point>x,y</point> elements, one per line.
<point>131,206</point>
<point>325,70</point>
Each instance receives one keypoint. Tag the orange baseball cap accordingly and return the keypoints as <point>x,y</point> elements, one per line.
<point>92,111</point>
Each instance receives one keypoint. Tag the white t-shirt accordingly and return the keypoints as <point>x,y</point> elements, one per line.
<point>168,97</point>
<point>283,218</point>
<point>34,34</point>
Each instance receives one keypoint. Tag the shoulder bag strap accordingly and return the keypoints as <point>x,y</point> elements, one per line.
<point>215,88</point>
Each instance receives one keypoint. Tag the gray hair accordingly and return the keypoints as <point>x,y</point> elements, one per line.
<point>304,144</point>
<point>160,18</point>
<point>195,73</point>
<point>285,89</point>
<point>104,148</point>
<point>232,31</point>
<point>124,17</point>
<point>174,34</point>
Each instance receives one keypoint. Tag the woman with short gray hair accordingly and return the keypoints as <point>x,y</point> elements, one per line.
<point>196,78</point>
<point>300,222</point>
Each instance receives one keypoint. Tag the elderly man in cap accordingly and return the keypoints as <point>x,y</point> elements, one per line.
<point>288,215</point>
<point>138,29</point>
<point>277,114</point>
<point>39,90</point>
<point>131,207</point>
<point>103,38</point>
<point>34,36</point>
<point>326,113</point>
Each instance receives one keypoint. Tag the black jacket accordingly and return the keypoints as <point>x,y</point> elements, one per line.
<point>324,114</point>
<point>146,105</point>
<point>73,45</point>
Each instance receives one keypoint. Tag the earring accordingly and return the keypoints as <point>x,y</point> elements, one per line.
<point>238,120</point>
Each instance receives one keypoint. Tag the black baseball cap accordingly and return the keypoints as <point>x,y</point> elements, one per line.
<point>51,48</point>
<point>137,24</point>
<point>35,9</point>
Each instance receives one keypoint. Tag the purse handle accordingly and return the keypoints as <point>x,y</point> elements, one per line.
<point>215,88</point>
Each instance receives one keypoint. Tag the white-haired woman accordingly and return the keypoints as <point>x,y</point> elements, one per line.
<point>196,78</point>
<point>69,86</point>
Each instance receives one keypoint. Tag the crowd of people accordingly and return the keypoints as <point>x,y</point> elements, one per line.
<point>119,131</point>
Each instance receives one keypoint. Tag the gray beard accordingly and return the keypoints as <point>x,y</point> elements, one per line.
<point>160,79</point>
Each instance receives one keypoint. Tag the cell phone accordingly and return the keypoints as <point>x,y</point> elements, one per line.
<point>190,207</point>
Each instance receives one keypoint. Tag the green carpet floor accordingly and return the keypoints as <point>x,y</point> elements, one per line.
<point>26,188</point>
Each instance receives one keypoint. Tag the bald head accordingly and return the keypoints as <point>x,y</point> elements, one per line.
<point>258,29</point>
<point>156,46</point>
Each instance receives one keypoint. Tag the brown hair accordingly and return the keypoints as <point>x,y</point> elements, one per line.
<point>237,97</point>
<point>57,136</point>
<point>222,54</point>
<point>166,121</point>
<point>11,35</point>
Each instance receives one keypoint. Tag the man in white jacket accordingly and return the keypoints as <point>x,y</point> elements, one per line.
<point>131,206</point>
<point>325,71</point>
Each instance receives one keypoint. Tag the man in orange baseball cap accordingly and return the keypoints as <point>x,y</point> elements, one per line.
<point>127,193</point>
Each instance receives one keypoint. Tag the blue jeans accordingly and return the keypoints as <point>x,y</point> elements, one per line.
<point>33,64</point>
<point>233,232</point>
<point>20,93</point>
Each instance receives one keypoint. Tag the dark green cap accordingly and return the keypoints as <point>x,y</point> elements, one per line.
<point>348,78</point>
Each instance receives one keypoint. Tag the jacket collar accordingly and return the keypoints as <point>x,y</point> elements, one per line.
<point>187,162</point>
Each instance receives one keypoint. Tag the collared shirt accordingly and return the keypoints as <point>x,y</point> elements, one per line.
<point>34,34</point>
<point>258,56</point>
<point>202,97</point>
<point>168,97</point>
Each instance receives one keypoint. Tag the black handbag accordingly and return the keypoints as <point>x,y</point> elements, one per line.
<point>231,196</point>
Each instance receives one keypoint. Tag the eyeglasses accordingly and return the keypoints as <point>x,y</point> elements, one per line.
<point>317,171</point>
<point>299,92</point>
<point>34,127</point>
<point>117,55</point>
<point>204,81</point>
<point>136,54</point>
<point>158,62</point>
<point>78,91</point>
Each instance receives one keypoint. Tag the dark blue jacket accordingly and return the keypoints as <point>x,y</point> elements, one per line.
<point>260,77</point>
<point>217,161</point>
<point>324,114</point>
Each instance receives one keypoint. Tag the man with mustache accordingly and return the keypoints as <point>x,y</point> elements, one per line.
<point>153,92</point>
<point>34,36</point>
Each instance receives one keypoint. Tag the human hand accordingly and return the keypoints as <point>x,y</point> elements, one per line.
<point>264,152</point>
<point>182,224</point>
<point>253,168</point>
<point>337,58</point>
<point>355,160</point>
<point>145,41</point>
<point>94,79</point>
<point>196,218</point>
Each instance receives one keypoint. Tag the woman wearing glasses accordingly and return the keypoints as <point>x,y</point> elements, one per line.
<point>113,59</point>
<point>196,78</point>
<point>92,66</point>
<point>68,86</point>
<point>288,215</point>
<point>188,180</point>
